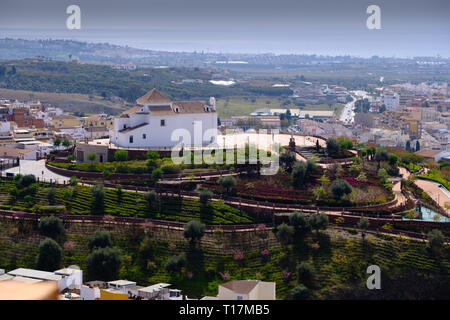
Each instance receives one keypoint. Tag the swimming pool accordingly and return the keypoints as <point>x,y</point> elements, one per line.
<point>430,215</point>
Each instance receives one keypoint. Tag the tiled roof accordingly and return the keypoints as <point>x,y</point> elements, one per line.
<point>153,96</point>
<point>428,152</point>
<point>133,128</point>
<point>240,286</point>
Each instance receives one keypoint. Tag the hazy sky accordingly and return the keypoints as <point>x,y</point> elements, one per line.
<point>409,28</point>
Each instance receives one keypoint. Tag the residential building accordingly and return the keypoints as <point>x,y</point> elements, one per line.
<point>157,121</point>
<point>434,155</point>
<point>247,290</point>
<point>112,294</point>
<point>96,132</point>
<point>14,153</point>
<point>99,147</point>
<point>66,120</point>
<point>160,291</point>
<point>22,117</point>
<point>65,278</point>
<point>99,120</point>
<point>390,100</point>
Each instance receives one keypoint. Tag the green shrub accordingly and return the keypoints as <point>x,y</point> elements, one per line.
<point>285,233</point>
<point>100,239</point>
<point>121,155</point>
<point>170,169</point>
<point>49,256</point>
<point>194,230</point>
<point>300,292</point>
<point>175,263</point>
<point>51,227</point>
<point>104,264</point>
<point>305,273</point>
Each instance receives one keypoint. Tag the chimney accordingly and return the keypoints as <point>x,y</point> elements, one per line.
<point>212,103</point>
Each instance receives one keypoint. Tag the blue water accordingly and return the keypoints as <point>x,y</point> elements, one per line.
<point>429,215</point>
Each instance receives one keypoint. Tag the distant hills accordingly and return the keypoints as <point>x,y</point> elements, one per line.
<point>66,50</point>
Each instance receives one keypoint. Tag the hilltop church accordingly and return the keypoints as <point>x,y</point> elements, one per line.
<point>152,121</point>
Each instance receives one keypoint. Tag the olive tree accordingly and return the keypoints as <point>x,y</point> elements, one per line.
<point>194,230</point>
<point>300,222</point>
<point>285,233</point>
<point>104,264</point>
<point>100,239</point>
<point>175,263</point>
<point>227,183</point>
<point>51,227</point>
<point>98,195</point>
<point>205,196</point>
<point>339,188</point>
<point>49,256</point>
<point>300,292</point>
<point>435,241</point>
<point>318,221</point>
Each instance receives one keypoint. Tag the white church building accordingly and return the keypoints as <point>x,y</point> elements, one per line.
<point>151,123</point>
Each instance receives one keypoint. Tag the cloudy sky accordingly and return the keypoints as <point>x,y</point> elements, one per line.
<point>408,28</point>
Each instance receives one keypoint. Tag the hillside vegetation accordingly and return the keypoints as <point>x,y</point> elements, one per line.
<point>339,260</point>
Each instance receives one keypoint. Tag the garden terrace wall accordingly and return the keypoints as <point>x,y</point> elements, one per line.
<point>130,176</point>
<point>375,225</point>
<point>173,225</point>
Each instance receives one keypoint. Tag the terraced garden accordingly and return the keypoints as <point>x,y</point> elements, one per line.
<point>126,204</point>
<point>339,258</point>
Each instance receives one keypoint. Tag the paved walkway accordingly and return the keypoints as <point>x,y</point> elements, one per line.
<point>264,141</point>
<point>432,188</point>
<point>38,169</point>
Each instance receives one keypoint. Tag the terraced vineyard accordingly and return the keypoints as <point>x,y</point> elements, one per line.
<point>128,204</point>
<point>340,260</point>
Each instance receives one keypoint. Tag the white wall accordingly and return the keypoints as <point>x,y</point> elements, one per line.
<point>227,294</point>
<point>75,279</point>
<point>87,293</point>
<point>265,291</point>
<point>157,135</point>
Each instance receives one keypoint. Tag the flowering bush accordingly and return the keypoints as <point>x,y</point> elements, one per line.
<point>261,228</point>
<point>189,275</point>
<point>69,245</point>
<point>265,253</point>
<point>172,246</point>
<point>239,255</point>
<point>225,275</point>
<point>285,275</point>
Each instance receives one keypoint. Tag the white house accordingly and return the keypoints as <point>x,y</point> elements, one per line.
<point>390,100</point>
<point>151,123</point>
<point>247,290</point>
<point>160,291</point>
<point>125,286</point>
<point>65,278</point>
